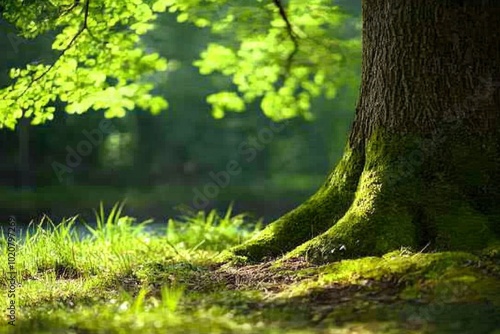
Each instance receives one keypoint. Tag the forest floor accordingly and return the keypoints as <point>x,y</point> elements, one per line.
<point>121,279</point>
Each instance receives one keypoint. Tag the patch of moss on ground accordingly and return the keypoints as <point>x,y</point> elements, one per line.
<point>420,271</point>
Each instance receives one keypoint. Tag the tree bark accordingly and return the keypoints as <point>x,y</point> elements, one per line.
<point>422,166</point>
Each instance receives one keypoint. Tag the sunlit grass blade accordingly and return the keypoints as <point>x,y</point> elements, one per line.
<point>170,297</point>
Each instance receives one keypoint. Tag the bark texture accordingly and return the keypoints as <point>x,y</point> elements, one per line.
<point>423,161</point>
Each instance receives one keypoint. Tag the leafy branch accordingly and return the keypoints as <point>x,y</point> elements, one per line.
<point>80,31</point>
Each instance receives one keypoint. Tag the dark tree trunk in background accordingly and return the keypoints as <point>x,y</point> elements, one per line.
<point>24,154</point>
<point>422,166</point>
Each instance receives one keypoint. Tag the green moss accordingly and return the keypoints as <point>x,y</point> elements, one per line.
<point>445,292</point>
<point>398,191</point>
<point>379,219</point>
<point>445,275</point>
<point>312,218</point>
<point>462,228</point>
<point>405,198</point>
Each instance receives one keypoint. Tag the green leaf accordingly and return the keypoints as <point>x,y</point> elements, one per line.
<point>141,27</point>
<point>225,101</point>
<point>157,104</point>
<point>183,17</point>
<point>161,5</point>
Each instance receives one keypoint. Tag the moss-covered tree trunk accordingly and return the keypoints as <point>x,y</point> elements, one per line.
<point>422,166</point>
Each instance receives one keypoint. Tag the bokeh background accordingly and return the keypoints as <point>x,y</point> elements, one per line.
<point>157,162</point>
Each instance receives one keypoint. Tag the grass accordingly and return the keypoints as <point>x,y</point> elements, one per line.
<point>120,278</point>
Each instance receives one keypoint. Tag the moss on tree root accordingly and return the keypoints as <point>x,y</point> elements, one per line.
<point>375,223</point>
<point>399,191</point>
<point>311,218</point>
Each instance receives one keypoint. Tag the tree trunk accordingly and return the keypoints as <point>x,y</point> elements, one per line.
<point>422,166</point>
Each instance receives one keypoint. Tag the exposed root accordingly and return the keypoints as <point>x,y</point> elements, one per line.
<point>310,219</point>
<point>399,191</point>
<point>376,223</point>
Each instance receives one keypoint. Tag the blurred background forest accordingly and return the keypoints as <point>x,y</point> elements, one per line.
<point>156,161</point>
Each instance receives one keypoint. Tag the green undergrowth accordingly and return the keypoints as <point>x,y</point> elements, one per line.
<point>121,278</point>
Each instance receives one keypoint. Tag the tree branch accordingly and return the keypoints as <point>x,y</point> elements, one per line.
<point>290,32</point>
<point>70,44</point>
<point>70,8</point>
